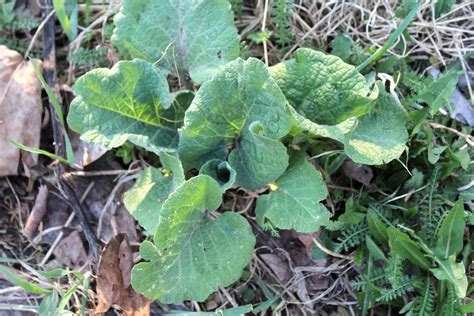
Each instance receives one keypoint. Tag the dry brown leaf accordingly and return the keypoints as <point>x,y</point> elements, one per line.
<point>20,110</point>
<point>307,240</point>
<point>279,266</point>
<point>85,153</point>
<point>113,280</point>
<point>70,251</point>
<point>37,212</point>
<point>360,173</point>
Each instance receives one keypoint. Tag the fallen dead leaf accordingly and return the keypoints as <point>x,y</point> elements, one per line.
<point>278,265</point>
<point>20,110</point>
<point>360,173</point>
<point>113,280</point>
<point>70,251</point>
<point>84,153</point>
<point>307,240</point>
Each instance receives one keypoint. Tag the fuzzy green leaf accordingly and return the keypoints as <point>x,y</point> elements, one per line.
<point>130,102</point>
<point>259,159</point>
<point>192,254</point>
<point>240,110</point>
<point>336,132</point>
<point>221,171</point>
<point>373,139</point>
<point>322,87</point>
<point>197,37</point>
<point>294,200</point>
<point>401,244</point>
<point>453,272</point>
<point>451,232</point>
<point>145,200</point>
<point>380,136</point>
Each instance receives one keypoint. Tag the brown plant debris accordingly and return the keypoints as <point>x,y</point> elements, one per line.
<point>70,251</point>
<point>20,110</point>
<point>113,280</point>
<point>37,213</point>
<point>360,173</point>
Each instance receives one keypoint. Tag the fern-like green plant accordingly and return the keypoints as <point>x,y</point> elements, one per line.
<point>425,303</point>
<point>237,8</point>
<point>351,236</point>
<point>88,57</point>
<point>405,285</point>
<point>394,270</point>
<point>281,13</point>
<point>450,304</point>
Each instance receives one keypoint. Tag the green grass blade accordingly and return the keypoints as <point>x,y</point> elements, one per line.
<point>63,18</point>
<point>73,19</point>
<point>59,112</point>
<point>14,278</point>
<point>392,38</point>
<point>39,152</point>
<point>65,300</point>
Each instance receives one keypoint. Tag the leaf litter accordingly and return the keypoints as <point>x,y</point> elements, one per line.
<point>20,110</point>
<point>113,279</point>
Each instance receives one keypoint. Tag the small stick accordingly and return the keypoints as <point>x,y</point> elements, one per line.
<point>37,213</point>
<point>66,188</point>
<point>76,206</point>
<point>469,139</point>
<point>331,253</point>
<point>264,22</point>
<point>103,173</point>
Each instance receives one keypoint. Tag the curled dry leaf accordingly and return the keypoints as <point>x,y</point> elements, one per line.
<point>20,110</point>
<point>37,213</point>
<point>113,280</point>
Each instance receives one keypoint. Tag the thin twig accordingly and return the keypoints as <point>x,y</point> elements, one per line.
<point>66,188</point>
<point>264,22</point>
<point>331,253</point>
<point>469,139</point>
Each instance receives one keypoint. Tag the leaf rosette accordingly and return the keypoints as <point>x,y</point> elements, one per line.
<point>239,114</point>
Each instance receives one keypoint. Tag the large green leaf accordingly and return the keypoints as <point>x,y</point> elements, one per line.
<point>373,139</point>
<point>379,136</point>
<point>258,159</point>
<point>294,200</point>
<point>451,232</point>
<point>145,200</point>
<point>329,98</point>
<point>130,102</point>
<point>336,132</point>
<point>241,111</point>
<point>453,272</point>
<point>193,254</point>
<point>322,87</point>
<point>402,245</point>
<point>197,37</point>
